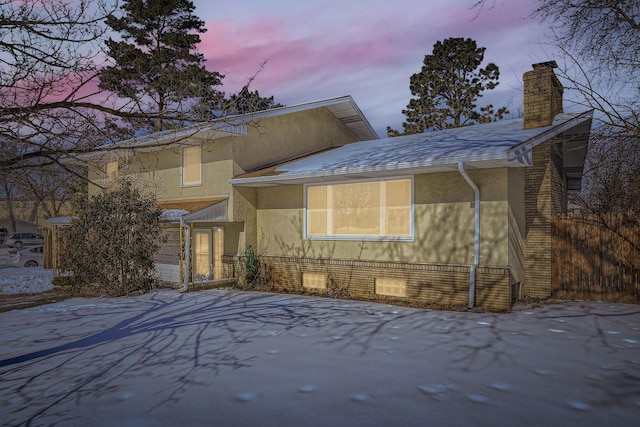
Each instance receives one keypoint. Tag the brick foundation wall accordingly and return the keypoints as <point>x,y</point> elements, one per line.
<point>446,285</point>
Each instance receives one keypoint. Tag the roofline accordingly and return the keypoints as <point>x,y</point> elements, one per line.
<point>517,156</point>
<point>302,107</point>
<point>403,168</point>
<point>219,124</point>
<point>295,108</point>
<point>524,147</point>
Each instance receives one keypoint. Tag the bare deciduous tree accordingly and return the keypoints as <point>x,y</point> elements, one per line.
<point>52,109</point>
<point>48,85</point>
<point>598,42</point>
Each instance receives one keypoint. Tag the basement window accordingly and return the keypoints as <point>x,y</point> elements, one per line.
<point>391,287</point>
<point>314,280</point>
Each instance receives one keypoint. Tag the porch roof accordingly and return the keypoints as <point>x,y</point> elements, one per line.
<point>189,205</point>
<point>195,210</point>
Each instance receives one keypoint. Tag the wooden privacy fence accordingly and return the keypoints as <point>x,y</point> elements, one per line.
<point>596,257</point>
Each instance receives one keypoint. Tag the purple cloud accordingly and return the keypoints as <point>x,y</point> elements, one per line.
<point>367,48</point>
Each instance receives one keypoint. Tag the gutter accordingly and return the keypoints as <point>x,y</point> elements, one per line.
<point>476,238</point>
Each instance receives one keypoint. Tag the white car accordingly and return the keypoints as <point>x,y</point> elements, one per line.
<point>29,257</point>
<point>18,240</point>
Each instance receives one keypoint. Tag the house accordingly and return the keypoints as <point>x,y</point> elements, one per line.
<point>28,217</point>
<point>21,226</point>
<point>189,169</point>
<point>455,217</point>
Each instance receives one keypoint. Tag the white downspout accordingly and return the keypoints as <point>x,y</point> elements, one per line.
<point>476,245</point>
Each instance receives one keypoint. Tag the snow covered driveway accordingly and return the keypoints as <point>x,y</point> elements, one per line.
<point>223,358</point>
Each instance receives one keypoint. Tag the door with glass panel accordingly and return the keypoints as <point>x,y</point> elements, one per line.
<point>203,262</point>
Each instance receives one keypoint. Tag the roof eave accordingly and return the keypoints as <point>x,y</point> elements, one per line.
<point>523,150</point>
<point>406,168</point>
<point>367,132</point>
<point>236,125</point>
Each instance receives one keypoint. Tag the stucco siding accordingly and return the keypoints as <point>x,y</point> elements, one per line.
<point>443,221</point>
<point>433,268</point>
<point>160,172</point>
<point>272,140</point>
<point>243,209</point>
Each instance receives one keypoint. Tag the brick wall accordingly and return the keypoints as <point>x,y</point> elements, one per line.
<point>444,285</point>
<point>542,97</point>
<point>544,197</point>
<point>545,192</point>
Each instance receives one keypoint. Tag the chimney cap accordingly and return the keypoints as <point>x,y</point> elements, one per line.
<point>543,65</point>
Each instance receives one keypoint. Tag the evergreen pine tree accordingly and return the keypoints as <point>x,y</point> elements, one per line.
<point>448,86</point>
<point>156,65</point>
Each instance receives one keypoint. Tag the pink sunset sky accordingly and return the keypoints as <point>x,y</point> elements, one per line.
<point>317,49</point>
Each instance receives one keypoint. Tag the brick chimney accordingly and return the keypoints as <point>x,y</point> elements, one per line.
<point>542,95</point>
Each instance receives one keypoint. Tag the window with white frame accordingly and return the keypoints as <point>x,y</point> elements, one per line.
<point>191,166</point>
<point>362,209</point>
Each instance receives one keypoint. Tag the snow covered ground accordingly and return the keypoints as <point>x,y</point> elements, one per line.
<point>25,280</point>
<point>225,358</point>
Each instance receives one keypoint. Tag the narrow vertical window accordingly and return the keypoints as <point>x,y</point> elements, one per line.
<point>317,211</point>
<point>202,260</point>
<point>191,166</point>
<point>397,209</point>
<point>112,174</point>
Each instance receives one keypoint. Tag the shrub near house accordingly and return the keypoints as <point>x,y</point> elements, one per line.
<point>110,245</point>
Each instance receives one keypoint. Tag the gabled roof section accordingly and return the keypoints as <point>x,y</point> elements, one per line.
<point>343,108</point>
<point>499,144</point>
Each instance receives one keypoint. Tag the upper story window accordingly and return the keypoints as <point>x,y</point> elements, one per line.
<point>191,166</point>
<point>112,173</point>
<point>362,210</point>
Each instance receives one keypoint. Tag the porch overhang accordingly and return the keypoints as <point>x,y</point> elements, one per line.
<point>195,210</point>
